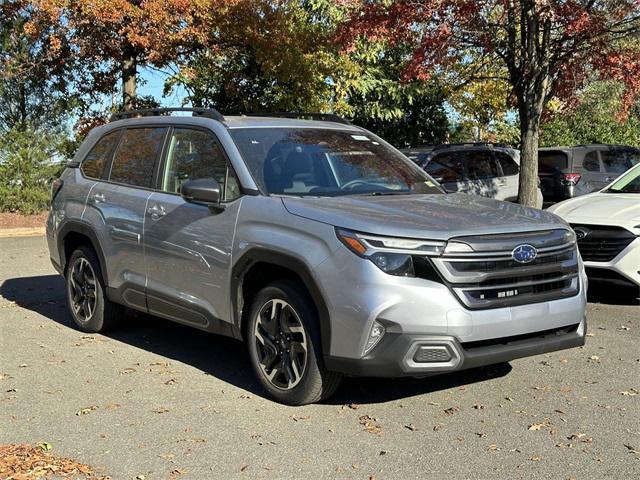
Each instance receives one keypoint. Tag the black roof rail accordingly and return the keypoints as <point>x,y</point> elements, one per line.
<point>158,112</point>
<point>325,117</point>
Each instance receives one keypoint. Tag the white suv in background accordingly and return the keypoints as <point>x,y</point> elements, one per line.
<point>607,226</point>
<point>485,169</point>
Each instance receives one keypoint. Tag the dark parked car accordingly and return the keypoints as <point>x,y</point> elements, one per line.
<point>486,169</point>
<point>567,172</point>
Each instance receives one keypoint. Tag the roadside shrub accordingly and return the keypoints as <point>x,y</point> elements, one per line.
<point>29,161</point>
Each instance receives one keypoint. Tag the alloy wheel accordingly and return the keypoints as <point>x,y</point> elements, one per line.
<point>82,289</point>
<point>281,344</point>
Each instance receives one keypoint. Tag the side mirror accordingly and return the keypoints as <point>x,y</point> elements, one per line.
<point>202,190</point>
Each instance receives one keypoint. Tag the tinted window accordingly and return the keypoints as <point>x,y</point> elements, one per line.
<point>591,162</point>
<point>508,164</point>
<point>327,162</point>
<point>551,161</point>
<point>195,154</point>
<point>619,161</point>
<point>136,155</point>
<point>446,168</point>
<point>95,162</point>
<point>481,165</point>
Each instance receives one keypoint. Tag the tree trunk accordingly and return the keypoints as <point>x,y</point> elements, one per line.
<point>529,135</point>
<point>129,74</point>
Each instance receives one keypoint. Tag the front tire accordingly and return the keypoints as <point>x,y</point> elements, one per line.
<point>283,338</point>
<point>90,309</point>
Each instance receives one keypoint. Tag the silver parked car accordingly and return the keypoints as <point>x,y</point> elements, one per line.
<point>314,241</point>
<point>486,169</point>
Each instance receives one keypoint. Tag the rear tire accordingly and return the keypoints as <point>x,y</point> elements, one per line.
<point>284,344</point>
<point>90,309</point>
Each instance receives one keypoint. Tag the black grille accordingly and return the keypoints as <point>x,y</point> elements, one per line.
<point>599,243</point>
<point>488,277</point>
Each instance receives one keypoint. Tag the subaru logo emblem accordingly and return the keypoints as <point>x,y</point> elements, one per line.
<point>524,253</point>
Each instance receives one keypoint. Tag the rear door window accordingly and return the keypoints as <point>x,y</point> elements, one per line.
<point>552,161</point>
<point>136,156</point>
<point>508,164</point>
<point>481,165</point>
<point>446,168</point>
<point>94,163</point>
<point>619,161</point>
<point>591,162</point>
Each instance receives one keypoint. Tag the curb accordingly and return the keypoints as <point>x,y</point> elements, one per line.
<point>22,232</point>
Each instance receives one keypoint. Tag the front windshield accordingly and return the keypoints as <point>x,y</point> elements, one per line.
<point>627,183</point>
<point>326,162</point>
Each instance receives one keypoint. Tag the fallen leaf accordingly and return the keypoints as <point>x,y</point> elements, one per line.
<point>632,392</point>
<point>537,426</point>
<point>493,447</point>
<point>411,426</point>
<point>161,410</point>
<point>353,406</point>
<point>632,449</point>
<point>535,459</point>
<point>86,410</point>
<point>45,446</point>
<point>437,427</point>
<point>243,468</point>
<point>370,424</point>
<point>127,371</point>
<point>452,410</point>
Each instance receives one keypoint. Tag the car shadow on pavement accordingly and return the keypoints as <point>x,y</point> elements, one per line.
<point>222,357</point>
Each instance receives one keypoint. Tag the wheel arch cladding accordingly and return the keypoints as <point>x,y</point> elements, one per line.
<point>73,234</point>
<point>273,266</point>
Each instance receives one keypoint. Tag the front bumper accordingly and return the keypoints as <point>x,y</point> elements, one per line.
<point>398,355</point>
<point>416,311</point>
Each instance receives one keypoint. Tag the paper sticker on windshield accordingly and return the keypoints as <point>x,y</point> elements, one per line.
<point>429,183</point>
<point>362,138</point>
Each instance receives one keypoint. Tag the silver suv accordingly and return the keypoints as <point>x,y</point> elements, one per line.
<point>317,243</point>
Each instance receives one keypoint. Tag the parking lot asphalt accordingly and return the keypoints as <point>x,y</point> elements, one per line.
<point>159,400</point>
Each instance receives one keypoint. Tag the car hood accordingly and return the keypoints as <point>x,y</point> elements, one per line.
<point>438,217</point>
<point>600,208</point>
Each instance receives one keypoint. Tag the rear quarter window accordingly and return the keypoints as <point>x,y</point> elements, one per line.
<point>96,160</point>
<point>135,158</point>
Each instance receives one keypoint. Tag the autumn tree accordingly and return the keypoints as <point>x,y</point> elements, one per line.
<point>546,47</point>
<point>114,38</point>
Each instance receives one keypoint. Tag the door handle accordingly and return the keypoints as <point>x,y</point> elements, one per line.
<point>98,198</point>
<point>156,212</point>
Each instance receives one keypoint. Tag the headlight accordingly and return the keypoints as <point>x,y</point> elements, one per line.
<point>391,255</point>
